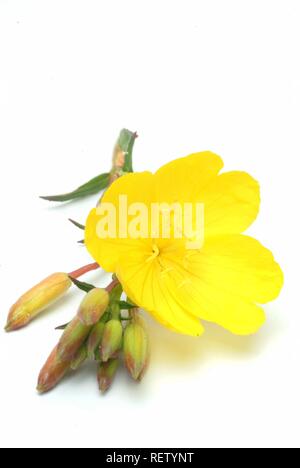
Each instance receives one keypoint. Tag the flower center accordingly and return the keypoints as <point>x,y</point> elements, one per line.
<point>155,253</point>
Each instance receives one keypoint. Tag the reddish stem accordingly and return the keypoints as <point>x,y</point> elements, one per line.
<point>85,269</point>
<point>112,285</point>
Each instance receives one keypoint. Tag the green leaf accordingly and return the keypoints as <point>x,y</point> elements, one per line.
<point>83,286</point>
<point>92,187</point>
<point>131,302</point>
<point>126,142</point>
<point>125,305</point>
<point>80,226</point>
<point>62,327</point>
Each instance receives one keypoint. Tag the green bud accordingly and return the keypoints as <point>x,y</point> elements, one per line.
<point>106,373</point>
<point>94,339</point>
<point>136,348</point>
<point>79,358</point>
<point>72,339</point>
<point>112,339</point>
<point>93,306</point>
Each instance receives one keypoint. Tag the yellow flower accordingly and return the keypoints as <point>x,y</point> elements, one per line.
<point>224,280</point>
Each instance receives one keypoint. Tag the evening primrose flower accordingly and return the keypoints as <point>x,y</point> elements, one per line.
<point>223,280</point>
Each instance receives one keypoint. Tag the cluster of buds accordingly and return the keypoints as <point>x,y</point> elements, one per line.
<point>98,332</point>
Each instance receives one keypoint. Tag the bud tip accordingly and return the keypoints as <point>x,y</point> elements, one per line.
<point>40,389</point>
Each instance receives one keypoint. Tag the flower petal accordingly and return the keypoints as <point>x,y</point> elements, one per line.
<point>181,180</point>
<point>242,265</point>
<point>223,282</point>
<point>231,203</point>
<point>137,187</point>
<point>231,200</point>
<point>143,282</point>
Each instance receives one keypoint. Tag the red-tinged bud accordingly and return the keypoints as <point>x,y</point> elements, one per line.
<point>106,374</point>
<point>94,339</point>
<point>52,372</point>
<point>112,339</point>
<point>72,339</point>
<point>93,306</point>
<point>136,348</point>
<point>37,299</point>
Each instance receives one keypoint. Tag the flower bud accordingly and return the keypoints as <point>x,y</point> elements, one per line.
<point>106,373</point>
<point>118,159</point>
<point>93,306</point>
<point>136,348</point>
<point>72,339</point>
<point>52,372</point>
<point>94,339</point>
<point>112,339</point>
<point>79,358</point>
<point>36,300</point>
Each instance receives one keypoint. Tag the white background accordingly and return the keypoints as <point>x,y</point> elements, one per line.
<point>188,76</point>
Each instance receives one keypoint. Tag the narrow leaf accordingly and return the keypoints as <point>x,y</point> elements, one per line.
<point>80,226</point>
<point>131,302</point>
<point>62,327</point>
<point>92,187</point>
<point>125,305</point>
<point>83,286</point>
